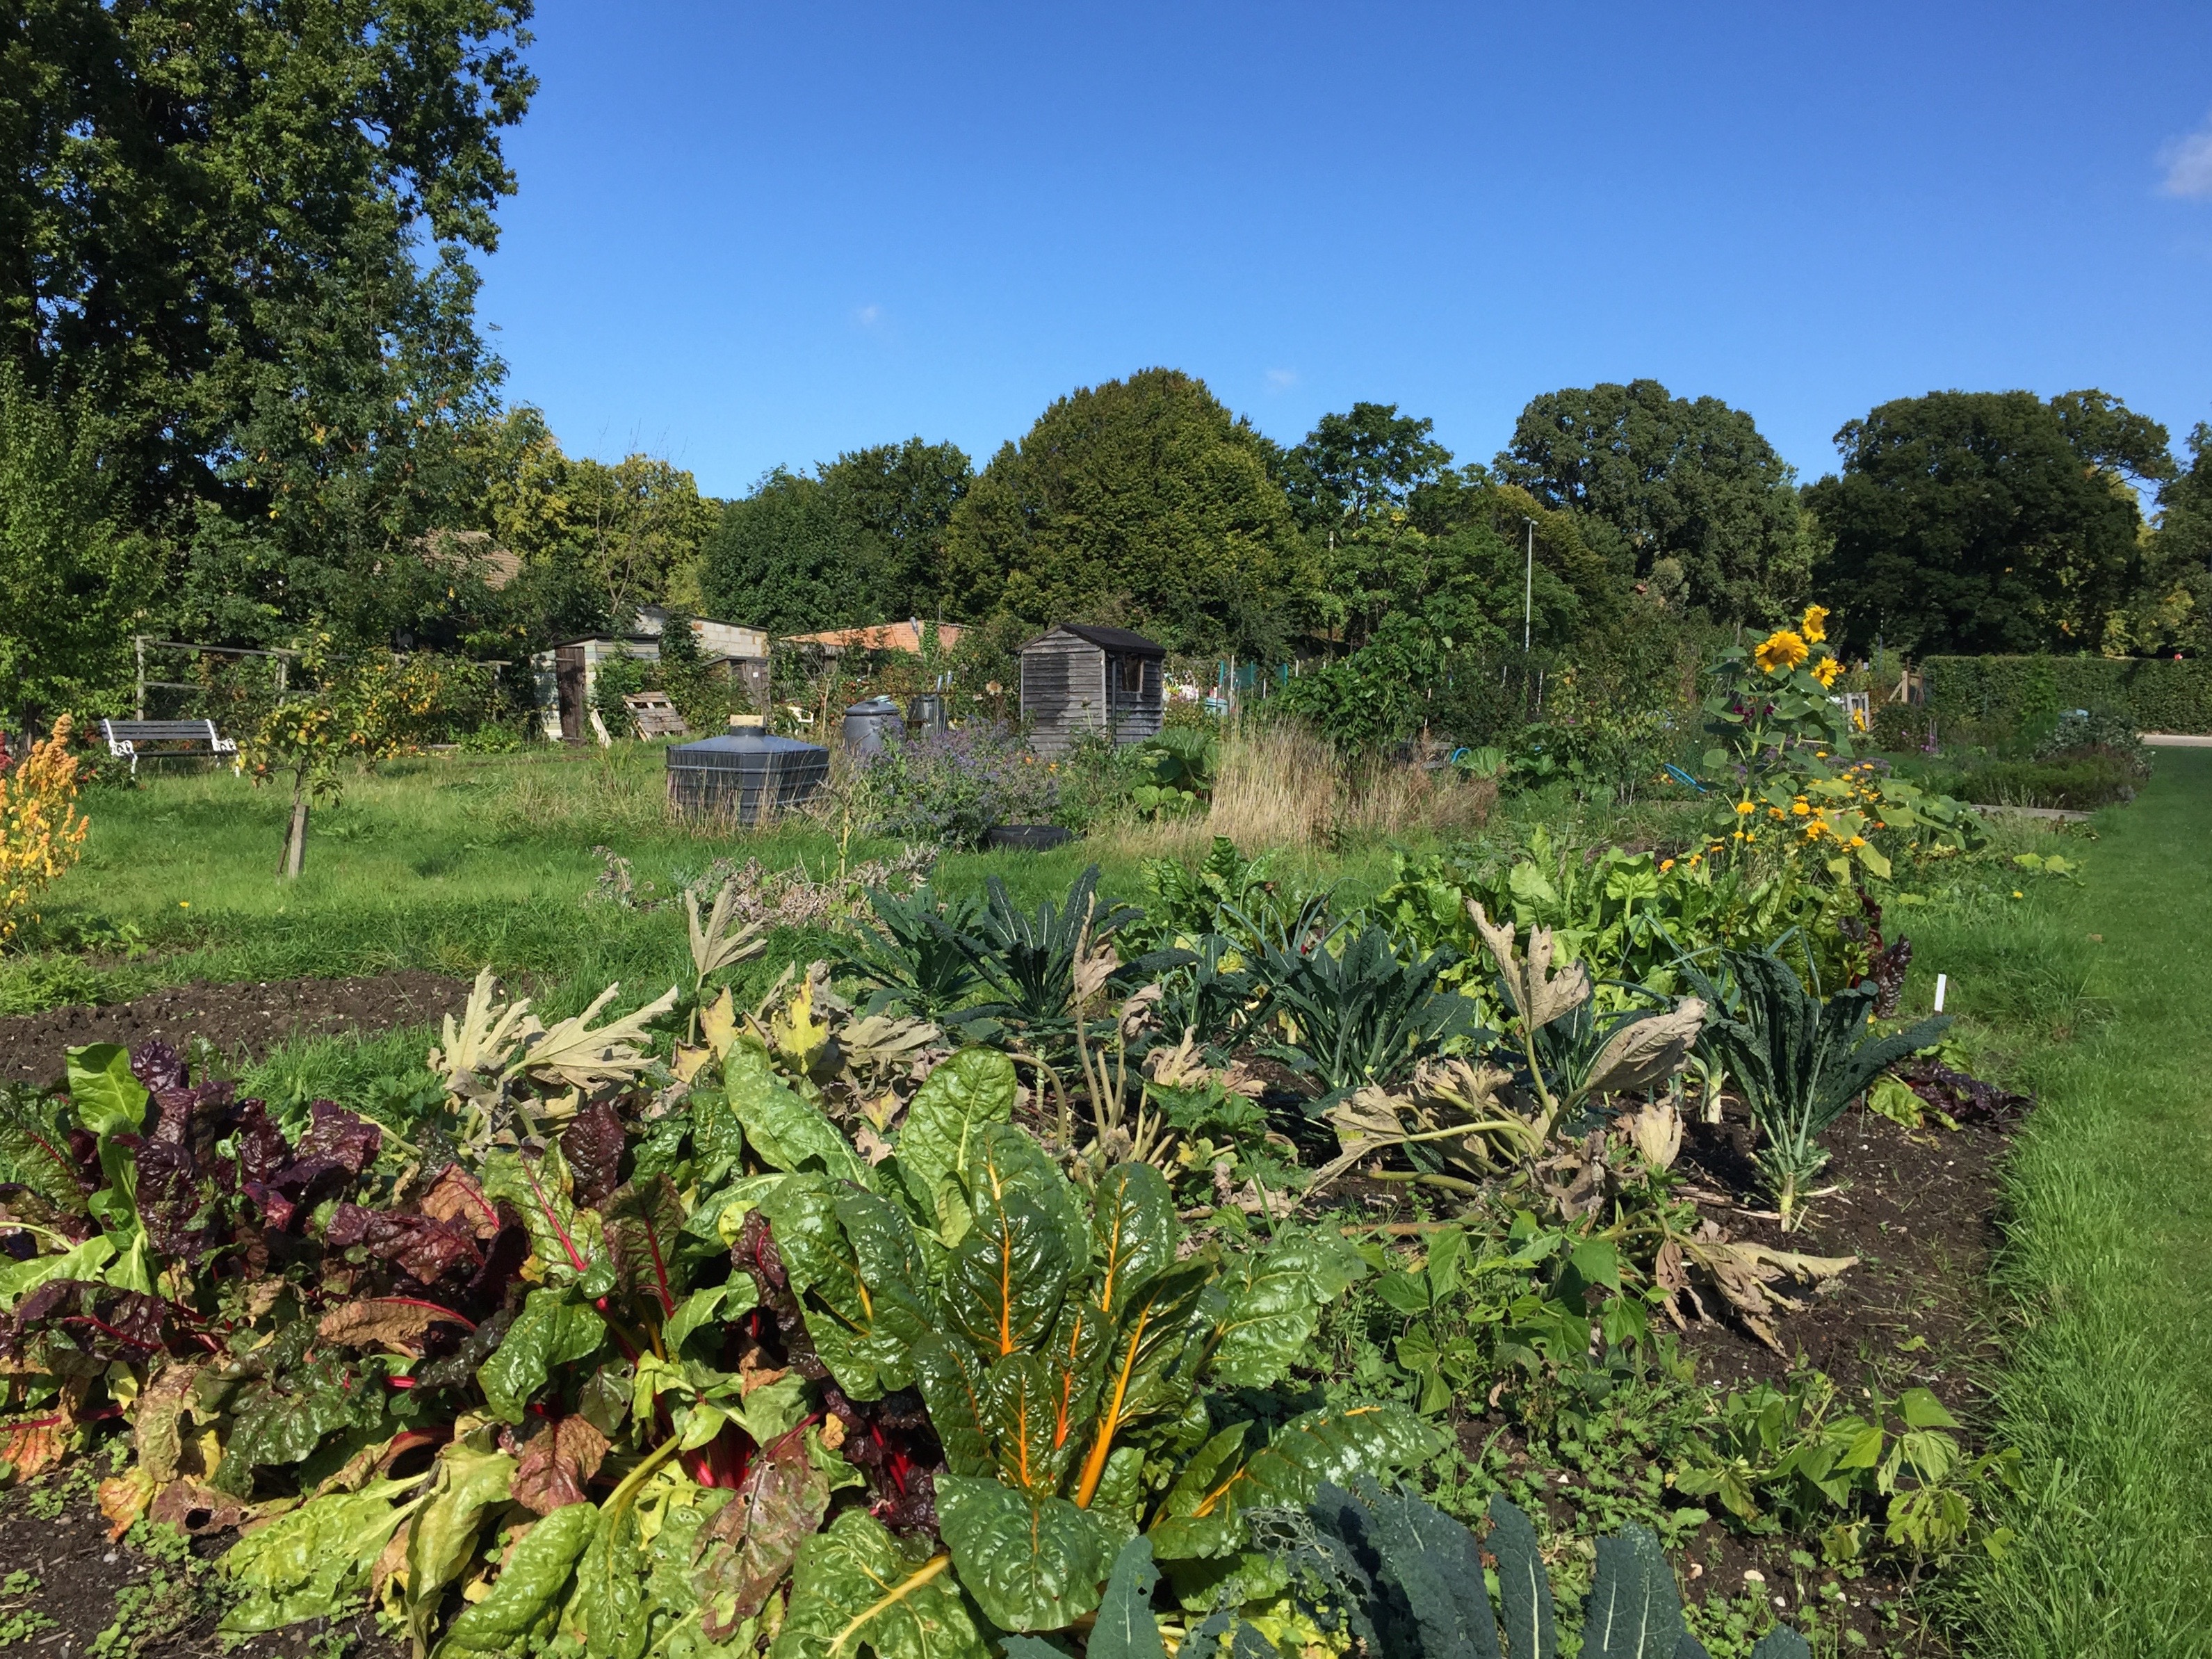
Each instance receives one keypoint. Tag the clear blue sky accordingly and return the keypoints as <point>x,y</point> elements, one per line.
<point>750,235</point>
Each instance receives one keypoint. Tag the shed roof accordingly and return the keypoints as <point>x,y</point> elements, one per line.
<point>1118,639</point>
<point>880,637</point>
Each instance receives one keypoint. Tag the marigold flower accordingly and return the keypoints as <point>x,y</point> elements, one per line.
<point>1801,809</point>
<point>1781,650</point>
<point>1816,623</point>
<point>1666,864</point>
<point>1858,841</point>
<point>1746,806</point>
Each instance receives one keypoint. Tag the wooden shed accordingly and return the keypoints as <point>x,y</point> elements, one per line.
<point>1077,679</point>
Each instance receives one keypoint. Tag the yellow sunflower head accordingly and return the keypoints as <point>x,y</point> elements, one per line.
<point>1815,624</point>
<point>1781,651</point>
<point>1826,669</point>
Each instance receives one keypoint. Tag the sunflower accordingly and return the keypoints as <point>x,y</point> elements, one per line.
<point>1780,650</point>
<point>1826,670</point>
<point>1815,624</point>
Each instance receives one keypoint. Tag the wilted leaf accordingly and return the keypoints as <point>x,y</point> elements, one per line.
<point>1537,994</point>
<point>308,1563</point>
<point>397,1321</point>
<point>443,1540</point>
<point>1646,1051</point>
<point>573,1053</point>
<point>480,1046</point>
<point>749,1545</point>
<point>556,1466</point>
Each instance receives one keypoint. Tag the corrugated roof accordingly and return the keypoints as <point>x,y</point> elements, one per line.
<point>1118,639</point>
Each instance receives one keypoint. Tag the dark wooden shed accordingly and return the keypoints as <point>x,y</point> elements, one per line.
<point>1077,679</point>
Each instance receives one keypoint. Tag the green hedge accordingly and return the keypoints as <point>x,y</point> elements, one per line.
<point>1997,695</point>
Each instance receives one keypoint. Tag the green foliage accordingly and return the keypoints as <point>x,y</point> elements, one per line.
<point>1357,1012</point>
<point>1798,1058</point>
<point>1141,502</point>
<point>1996,698</point>
<point>920,956</point>
<point>1685,495</point>
<point>1791,1458</point>
<point>1986,521</point>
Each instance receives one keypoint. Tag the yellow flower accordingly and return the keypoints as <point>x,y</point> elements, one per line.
<point>1826,670</point>
<point>1858,841</point>
<point>1666,864</point>
<point>1815,624</point>
<point>1801,809</point>
<point>1781,650</point>
<point>1745,806</point>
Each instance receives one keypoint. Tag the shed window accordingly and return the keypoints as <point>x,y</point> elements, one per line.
<point>1133,674</point>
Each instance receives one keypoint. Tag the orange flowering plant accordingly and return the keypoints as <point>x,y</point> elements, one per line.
<point>41,831</point>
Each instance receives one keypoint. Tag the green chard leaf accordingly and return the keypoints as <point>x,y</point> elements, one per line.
<point>107,1098</point>
<point>952,1386</point>
<point>566,1240</point>
<point>852,1263</point>
<point>854,1588</point>
<point>442,1542</point>
<point>34,1147</point>
<point>556,1327</point>
<point>526,1597</point>
<point>1031,1564</point>
<point>1275,1299</point>
<point>1004,1282</point>
<point>1132,1232</point>
<point>784,1131</point>
<point>310,1563</point>
<point>974,1088</point>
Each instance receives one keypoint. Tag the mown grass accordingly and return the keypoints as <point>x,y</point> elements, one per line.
<point>2101,994</point>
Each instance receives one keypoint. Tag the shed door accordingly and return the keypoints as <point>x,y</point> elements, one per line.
<point>568,689</point>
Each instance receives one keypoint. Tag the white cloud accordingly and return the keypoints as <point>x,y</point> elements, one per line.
<point>2188,163</point>
<point>868,316</point>
<point>1281,379</point>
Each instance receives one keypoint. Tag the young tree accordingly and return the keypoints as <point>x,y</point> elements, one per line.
<point>1684,494</point>
<point>1986,521</point>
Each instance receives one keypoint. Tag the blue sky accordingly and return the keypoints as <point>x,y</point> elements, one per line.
<point>751,234</point>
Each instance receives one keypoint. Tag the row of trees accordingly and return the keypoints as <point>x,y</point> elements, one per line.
<point>244,396</point>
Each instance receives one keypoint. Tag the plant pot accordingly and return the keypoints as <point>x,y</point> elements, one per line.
<point>1029,837</point>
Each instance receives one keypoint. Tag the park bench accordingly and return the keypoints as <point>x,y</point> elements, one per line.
<point>137,740</point>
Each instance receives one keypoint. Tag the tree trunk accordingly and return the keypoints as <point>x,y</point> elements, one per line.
<point>295,837</point>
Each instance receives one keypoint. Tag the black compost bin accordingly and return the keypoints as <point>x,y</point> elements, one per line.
<point>869,723</point>
<point>745,775</point>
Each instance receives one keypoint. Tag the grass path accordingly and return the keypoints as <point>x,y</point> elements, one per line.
<point>2108,1385</point>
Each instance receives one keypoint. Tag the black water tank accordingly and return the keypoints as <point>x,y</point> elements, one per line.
<point>747,775</point>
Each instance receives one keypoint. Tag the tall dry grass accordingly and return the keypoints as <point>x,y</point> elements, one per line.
<point>1281,785</point>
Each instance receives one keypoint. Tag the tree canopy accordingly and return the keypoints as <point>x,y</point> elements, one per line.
<point>861,541</point>
<point>1142,502</point>
<point>1684,494</point>
<point>1987,521</point>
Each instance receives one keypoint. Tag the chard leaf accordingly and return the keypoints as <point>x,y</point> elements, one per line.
<point>1151,1358</point>
<point>952,1388</point>
<point>708,1310</point>
<point>308,1563</point>
<point>784,1131</point>
<point>280,1419</point>
<point>852,1264</point>
<point>443,1540</point>
<point>1275,1301</point>
<point>605,1614</point>
<point>1134,1231</point>
<point>750,1545</point>
<point>1007,1160</point>
<point>554,1329</point>
<point>644,1220</point>
<point>974,1088</point>
<point>524,1598</point>
<point>34,1148</point>
<point>1004,1282</point>
<point>1031,1443</point>
<point>85,1261</point>
<point>1327,1445</point>
<point>567,1241</point>
<point>1031,1564</point>
<point>107,1098</point>
<point>853,1588</point>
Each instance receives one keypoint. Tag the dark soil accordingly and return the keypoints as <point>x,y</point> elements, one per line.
<point>244,1020</point>
<point>1918,1207</point>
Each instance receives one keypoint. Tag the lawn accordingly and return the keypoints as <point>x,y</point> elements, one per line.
<point>2105,1386</point>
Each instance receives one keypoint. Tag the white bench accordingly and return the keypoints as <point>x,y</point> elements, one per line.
<point>163,740</point>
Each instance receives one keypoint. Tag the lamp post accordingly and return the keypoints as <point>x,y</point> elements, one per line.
<point>1528,587</point>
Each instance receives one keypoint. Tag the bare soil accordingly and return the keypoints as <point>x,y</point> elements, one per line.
<point>244,1019</point>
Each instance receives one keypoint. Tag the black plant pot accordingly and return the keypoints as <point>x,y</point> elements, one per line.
<point>1029,837</point>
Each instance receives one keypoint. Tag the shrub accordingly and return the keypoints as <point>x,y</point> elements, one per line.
<point>954,787</point>
<point>1996,698</point>
<point>41,831</point>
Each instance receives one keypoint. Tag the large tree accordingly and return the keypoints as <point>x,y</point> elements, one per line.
<point>239,230</point>
<point>1987,521</point>
<point>860,541</point>
<point>1142,502</point>
<point>1685,493</point>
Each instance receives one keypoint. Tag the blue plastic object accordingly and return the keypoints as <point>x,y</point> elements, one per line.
<point>1681,776</point>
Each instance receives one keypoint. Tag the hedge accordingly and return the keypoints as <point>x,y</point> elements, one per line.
<point>1997,695</point>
